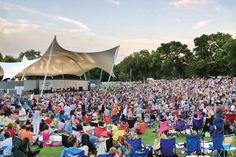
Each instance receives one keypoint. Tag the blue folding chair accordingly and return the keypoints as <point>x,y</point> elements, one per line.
<point>180,125</point>
<point>135,145</point>
<point>193,143</point>
<point>167,147</point>
<point>197,124</point>
<point>217,146</point>
<point>140,153</point>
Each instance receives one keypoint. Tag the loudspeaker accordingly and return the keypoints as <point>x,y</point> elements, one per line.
<point>80,88</point>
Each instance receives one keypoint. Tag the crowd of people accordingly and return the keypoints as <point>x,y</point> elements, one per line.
<point>97,115</point>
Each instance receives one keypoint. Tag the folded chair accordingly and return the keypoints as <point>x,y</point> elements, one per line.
<point>167,147</point>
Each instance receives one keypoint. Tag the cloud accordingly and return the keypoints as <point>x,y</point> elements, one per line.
<point>82,27</point>
<point>115,2</point>
<point>15,26</point>
<point>187,3</point>
<point>10,6</point>
<point>200,24</point>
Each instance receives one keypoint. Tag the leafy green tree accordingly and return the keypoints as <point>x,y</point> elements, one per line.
<point>30,54</point>
<point>231,58</point>
<point>155,63</point>
<point>9,59</point>
<point>1,57</point>
<point>210,54</point>
<point>175,57</point>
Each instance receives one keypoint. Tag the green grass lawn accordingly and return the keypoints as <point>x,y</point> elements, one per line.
<point>147,139</point>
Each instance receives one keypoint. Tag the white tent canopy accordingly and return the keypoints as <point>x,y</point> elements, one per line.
<point>61,61</point>
<point>10,70</point>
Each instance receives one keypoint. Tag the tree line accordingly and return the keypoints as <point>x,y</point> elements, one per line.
<point>213,55</point>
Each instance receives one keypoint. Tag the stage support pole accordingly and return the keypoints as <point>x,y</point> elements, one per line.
<point>112,68</point>
<point>47,66</point>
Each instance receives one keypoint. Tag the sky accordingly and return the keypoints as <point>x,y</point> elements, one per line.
<point>96,25</point>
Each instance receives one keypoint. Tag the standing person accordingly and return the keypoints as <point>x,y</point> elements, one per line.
<point>7,145</point>
<point>36,121</point>
<point>139,112</point>
<point>218,122</point>
<point>22,115</point>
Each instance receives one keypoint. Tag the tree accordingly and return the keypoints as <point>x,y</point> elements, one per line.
<point>210,54</point>
<point>9,59</point>
<point>30,54</point>
<point>155,63</point>
<point>1,57</point>
<point>175,57</point>
<point>231,58</point>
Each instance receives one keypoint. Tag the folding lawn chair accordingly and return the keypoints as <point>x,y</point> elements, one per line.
<point>140,153</point>
<point>193,144</point>
<point>135,145</point>
<point>197,124</point>
<point>180,126</point>
<point>167,148</point>
<point>136,150</point>
<point>73,152</point>
<point>163,127</point>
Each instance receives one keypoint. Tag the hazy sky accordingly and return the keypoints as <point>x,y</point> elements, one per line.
<point>94,25</point>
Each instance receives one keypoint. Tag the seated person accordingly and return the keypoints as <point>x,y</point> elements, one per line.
<point>156,143</point>
<point>23,127</point>
<point>94,140</point>
<point>10,129</point>
<point>73,143</point>
<point>42,125</point>
<point>113,152</point>
<point>101,130</point>
<point>7,145</point>
<point>123,148</point>
<point>46,134</point>
<point>61,125</point>
<point>27,134</point>
<point>77,130</point>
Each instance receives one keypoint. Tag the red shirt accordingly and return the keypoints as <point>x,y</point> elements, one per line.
<point>11,131</point>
